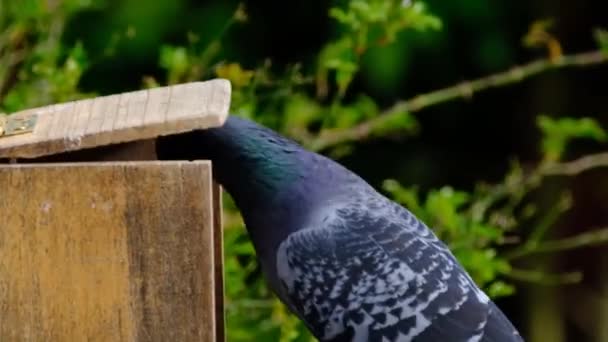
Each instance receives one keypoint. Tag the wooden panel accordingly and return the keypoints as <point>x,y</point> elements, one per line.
<point>121,118</point>
<point>89,252</point>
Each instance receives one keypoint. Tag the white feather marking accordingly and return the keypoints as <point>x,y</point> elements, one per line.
<point>421,324</point>
<point>284,272</point>
<point>475,338</point>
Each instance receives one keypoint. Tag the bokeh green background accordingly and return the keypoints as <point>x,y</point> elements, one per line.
<point>276,55</point>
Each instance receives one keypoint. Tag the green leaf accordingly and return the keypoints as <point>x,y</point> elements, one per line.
<point>486,231</point>
<point>339,56</point>
<point>406,197</point>
<point>368,23</point>
<point>175,60</point>
<point>444,205</point>
<point>404,123</point>
<point>301,112</point>
<point>417,17</point>
<point>601,37</point>
<point>499,288</point>
<point>557,133</point>
<point>238,76</point>
<point>345,18</point>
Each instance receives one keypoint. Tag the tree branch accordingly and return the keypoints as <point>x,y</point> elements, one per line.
<point>578,166</point>
<point>587,239</point>
<point>544,278</point>
<point>332,137</point>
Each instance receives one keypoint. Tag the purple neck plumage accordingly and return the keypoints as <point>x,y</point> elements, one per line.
<point>262,170</point>
<point>276,183</point>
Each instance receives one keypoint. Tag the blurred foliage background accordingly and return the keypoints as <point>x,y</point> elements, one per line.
<point>486,119</point>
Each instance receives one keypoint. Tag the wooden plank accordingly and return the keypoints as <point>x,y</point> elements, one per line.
<point>126,117</point>
<point>88,252</point>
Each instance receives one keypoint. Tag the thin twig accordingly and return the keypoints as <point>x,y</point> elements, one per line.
<point>596,237</point>
<point>544,278</point>
<point>466,89</point>
<point>578,166</point>
<point>587,239</point>
<point>547,221</point>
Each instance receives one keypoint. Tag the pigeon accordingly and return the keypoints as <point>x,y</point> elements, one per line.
<point>352,264</point>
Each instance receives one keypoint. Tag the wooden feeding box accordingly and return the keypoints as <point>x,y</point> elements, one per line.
<point>100,242</point>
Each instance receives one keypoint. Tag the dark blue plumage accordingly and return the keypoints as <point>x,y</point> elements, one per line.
<point>353,265</point>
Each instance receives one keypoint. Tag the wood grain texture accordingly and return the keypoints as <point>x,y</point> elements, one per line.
<point>218,235</point>
<point>89,252</point>
<point>120,118</point>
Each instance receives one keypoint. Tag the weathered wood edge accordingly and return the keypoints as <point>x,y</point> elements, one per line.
<point>106,163</point>
<point>42,142</point>
<point>218,248</point>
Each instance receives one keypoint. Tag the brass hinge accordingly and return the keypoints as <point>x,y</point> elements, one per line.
<point>17,124</point>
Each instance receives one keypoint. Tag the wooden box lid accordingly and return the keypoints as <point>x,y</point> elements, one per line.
<point>120,118</point>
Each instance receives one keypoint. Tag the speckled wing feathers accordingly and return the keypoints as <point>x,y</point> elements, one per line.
<point>373,272</point>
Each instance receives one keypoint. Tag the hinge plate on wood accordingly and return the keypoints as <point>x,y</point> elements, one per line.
<point>17,124</point>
